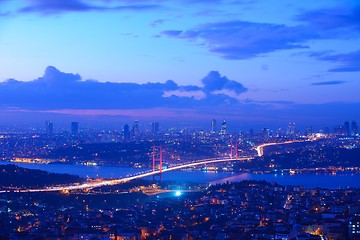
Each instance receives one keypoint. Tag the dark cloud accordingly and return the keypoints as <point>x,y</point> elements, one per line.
<point>323,114</point>
<point>157,23</point>
<point>61,6</point>
<point>328,83</point>
<point>172,33</point>
<point>345,69</point>
<point>214,81</point>
<point>5,14</point>
<point>180,1</point>
<point>348,62</point>
<point>58,90</point>
<point>58,95</point>
<point>55,6</point>
<point>332,18</point>
<point>243,40</point>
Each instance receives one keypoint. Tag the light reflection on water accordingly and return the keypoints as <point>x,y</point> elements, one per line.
<point>340,180</point>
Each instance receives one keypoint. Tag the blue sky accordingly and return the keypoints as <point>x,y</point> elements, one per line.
<point>261,63</point>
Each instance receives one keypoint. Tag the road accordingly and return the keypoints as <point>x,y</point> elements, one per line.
<point>260,149</point>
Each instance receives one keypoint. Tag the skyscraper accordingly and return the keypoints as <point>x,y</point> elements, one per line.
<point>213,126</point>
<point>354,128</point>
<point>265,133</point>
<point>74,127</point>
<point>346,128</point>
<point>155,128</point>
<point>339,130</point>
<point>126,131</point>
<point>308,130</point>
<point>223,128</point>
<point>251,133</point>
<point>136,125</point>
<point>291,130</point>
<point>135,129</point>
<point>49,126</point>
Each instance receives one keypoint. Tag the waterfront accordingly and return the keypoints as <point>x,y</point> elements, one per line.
<point>323,180</point>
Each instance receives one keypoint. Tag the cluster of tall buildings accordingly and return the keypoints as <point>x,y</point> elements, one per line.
<point>134,132</point>
<point>347,129</point>
<point>223,129</point>
<point>291,130</point>
<point>127,132</point>
<point>49,127</point>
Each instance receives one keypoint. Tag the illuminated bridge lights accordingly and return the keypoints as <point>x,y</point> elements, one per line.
<point>112,182</point>
<point>260,149</point>
<point>125,179</point>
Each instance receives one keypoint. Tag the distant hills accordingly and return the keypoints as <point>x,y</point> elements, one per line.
<point>12,176</point>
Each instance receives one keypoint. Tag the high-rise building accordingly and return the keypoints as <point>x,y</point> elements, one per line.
<point>194,135</point>
<point>309,130</point>
<point>354,128</point>
<point>266,133</point>
<point>74,127</point>
<point>135,129</point>
<point>339,130</point>
<point>346,128</point>
<point>354,227</point>
<point>291,130</point>
<point>279,133</point>
<point>49,126</point>
<point>126,131</point>
<point>223,130</point>
<point>136,125</point>
<point>155,128</point>
<point>251,133</point>
<point>213,126</point>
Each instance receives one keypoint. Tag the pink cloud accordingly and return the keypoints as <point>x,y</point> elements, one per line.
<point>135,113</point>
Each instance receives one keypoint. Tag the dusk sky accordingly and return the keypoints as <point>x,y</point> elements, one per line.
<point>255,63</point>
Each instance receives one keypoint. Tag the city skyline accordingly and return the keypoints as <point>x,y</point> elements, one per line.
<point>135,128</point>
<point>254,63</point>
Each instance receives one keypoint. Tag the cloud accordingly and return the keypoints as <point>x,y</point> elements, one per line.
<point>179,1</point>
<point>62,6</point>
<point>349,62</point>
<point>328,83</point>
<point>332,18</point>
<point>243,40</point>
<point>198,95</point>
<point>157,22</point>
<point>56,6</point>
<point>59,95</point>
<point>58,90</point>
<point>214,81</point>
<point>342,22</point>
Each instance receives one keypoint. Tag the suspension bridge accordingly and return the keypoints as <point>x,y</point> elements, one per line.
<point>157,160</point>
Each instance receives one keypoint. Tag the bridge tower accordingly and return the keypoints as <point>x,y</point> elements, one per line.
<point>234,149</point>
<point>157,157</point>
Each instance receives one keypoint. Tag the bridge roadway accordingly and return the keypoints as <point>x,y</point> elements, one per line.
<point>260,148</point>
<point>111,182</point>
